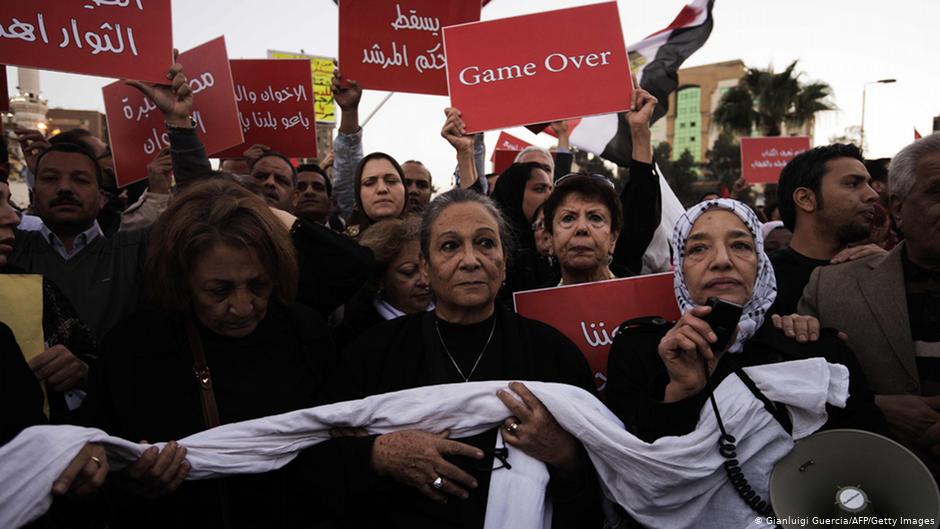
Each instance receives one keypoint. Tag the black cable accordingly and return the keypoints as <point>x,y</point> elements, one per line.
<point>728,450</point>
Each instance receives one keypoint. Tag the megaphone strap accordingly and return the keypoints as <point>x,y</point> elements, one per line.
<point>778,411</point>
<point>728,448</point>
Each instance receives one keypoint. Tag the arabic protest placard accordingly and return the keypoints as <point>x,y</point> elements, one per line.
<point>138,131</point>
<point>534,69</point>
<point>129,39</point>
<point>590,313</point>
<point>762,158</point>
<point>321,72</point>
<point>275,106</point>
<point>396,46</point>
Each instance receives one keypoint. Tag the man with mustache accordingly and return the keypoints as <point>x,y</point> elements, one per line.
<point>418,186</point>
<point>826,199</point>
<point>278,178</point>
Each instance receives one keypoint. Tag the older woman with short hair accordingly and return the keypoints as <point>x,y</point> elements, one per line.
<point>398,285</point>
<point>223,342</point>
<point>469,336</point>
<point>584,217</point>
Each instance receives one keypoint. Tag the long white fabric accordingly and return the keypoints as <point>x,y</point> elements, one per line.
<point>673,482</point>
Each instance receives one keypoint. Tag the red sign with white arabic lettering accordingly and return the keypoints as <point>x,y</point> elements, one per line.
<point>275,106</point>
<point>4,95</point>
<point>762,159</point>
<point>138,131</point>
<point>534,69</point>
<point>396,46</point>
<point>129,39</point>
<point>508,142</point>
<point>590,313</point>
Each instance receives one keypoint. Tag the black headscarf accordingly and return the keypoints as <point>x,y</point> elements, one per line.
<point>509,193</point>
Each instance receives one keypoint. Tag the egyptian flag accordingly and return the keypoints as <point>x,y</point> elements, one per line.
<point>656,61</point>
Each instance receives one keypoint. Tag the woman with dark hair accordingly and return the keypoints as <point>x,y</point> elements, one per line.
<point>422,479</point>
<point>398,285</point>
<point>584,219</point>
<point>380,192</point>
<point>223,342</point>
<point>520,190</point>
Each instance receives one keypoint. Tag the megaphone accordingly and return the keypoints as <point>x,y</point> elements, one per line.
<point>853,478</point>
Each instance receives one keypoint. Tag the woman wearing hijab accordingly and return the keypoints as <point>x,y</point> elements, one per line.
<point>520,190</point>
<point>398,285</point>
<point>423,479</point>
<point>657,384</point>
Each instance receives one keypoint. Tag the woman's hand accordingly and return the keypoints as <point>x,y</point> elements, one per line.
<point>535,431</point>
<point>174,101</point>
<point>158,472</point>
<point>417,460</point>
<point>85,474</point>
<point>682,350</point>
<point>454,131</point>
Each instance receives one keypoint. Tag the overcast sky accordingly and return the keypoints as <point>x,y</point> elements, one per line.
<point>845,43</point>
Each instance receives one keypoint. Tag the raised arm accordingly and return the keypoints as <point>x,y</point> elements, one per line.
<point>176,103</point>
<point>347,149</point>
<point>641,197</point>
<point>454,131</point>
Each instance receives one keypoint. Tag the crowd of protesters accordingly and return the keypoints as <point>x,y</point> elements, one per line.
<point>218,296</point>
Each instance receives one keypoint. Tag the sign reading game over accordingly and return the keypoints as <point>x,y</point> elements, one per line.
<point>762,159</point>
<point>130,39</point>
<point>321,73</point>
<point>535,69</point>
<point>396,45</point>
<point>590,313</point>
<point>138,131</point>
<point>275,106</point>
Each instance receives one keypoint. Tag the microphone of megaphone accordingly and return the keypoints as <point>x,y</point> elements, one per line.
<point>853,478</point>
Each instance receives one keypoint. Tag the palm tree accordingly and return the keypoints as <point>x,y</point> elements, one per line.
<point>765,100</point>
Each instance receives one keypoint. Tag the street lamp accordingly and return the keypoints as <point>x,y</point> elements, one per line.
<point>864,89</point>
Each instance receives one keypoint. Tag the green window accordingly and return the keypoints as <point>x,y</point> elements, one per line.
<point>688,131</point>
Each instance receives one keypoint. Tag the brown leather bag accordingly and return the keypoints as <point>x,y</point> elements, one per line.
<point>210,411</point>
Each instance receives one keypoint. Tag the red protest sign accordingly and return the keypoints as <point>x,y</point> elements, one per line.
<point>137,128</point>
<point>275,106</point>
<point>590,313</point>
<point>129,39</point>
<point>762,159</point>
<point>534,69</point>
<point>508,142</point>
<point>4,95</point>
<point>502,159</point>
<point>396,46</point>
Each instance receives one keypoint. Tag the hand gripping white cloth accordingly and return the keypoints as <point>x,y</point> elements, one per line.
<point>673,482</point>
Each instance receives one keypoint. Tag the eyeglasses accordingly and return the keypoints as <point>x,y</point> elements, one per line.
<point>603,178</point>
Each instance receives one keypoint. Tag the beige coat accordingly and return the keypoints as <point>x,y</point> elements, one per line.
<point>867,300</point>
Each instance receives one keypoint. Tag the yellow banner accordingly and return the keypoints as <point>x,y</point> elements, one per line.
<point>321,70</point>
<point>21,311</point>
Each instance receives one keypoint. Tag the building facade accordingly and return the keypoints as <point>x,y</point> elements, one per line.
<point>62,119</point>
<point>688,124</point>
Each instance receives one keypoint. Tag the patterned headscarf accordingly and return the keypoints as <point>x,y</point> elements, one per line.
<point>765,285</point>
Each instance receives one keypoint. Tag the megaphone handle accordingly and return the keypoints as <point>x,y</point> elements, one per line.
<point>728,450</point>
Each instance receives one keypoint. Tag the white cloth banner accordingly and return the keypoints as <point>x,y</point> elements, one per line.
<point>672,482</point>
